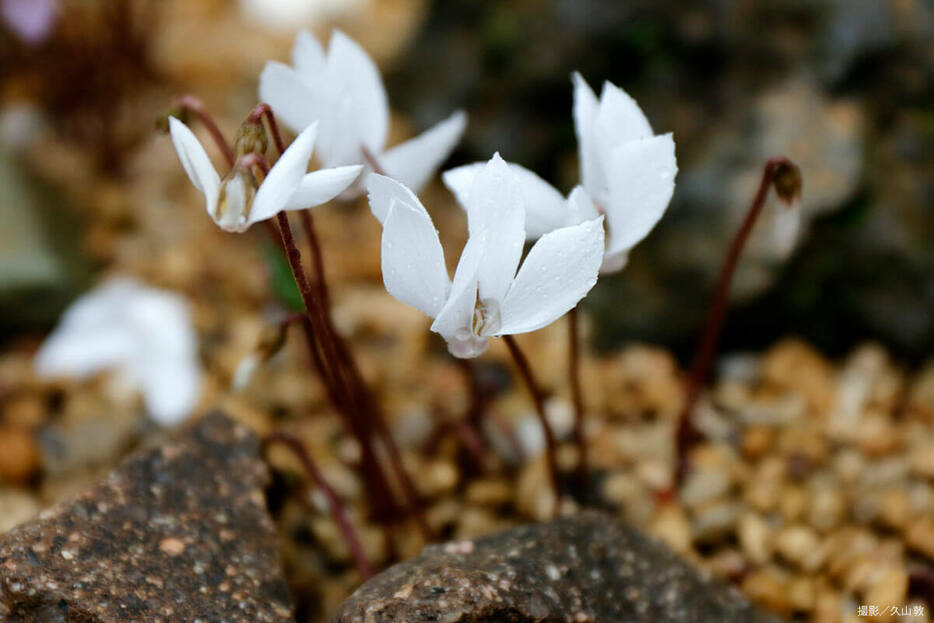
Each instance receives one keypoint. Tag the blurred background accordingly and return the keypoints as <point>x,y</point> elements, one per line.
<point>845,88</point>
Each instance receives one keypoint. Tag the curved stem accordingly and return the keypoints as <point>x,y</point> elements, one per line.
<point>334,503</point>
<point>577,399</point>
<point>687,434</point>
<point>193,105</point>
<point>551,446</point>
<point>264,110</point>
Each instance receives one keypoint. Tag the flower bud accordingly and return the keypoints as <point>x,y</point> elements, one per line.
<point>788,182</point>
<point>251,139</point>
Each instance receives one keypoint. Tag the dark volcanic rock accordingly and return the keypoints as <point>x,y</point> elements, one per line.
<point>588,568</point>
<point>177,533</point>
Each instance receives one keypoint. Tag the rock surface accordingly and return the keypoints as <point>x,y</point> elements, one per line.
<point>176,533</point>
<point>584,568</point>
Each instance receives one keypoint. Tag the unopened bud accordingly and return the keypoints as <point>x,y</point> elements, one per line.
<point>788,182</point>
<point>251,139</point>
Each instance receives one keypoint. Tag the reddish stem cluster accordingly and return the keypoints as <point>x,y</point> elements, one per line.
<point>330,356</point>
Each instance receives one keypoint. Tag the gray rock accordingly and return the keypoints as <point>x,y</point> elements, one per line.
<point>587,568</point>
<point>176,533</point>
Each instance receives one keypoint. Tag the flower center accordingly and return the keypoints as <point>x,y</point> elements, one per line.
<point>486,318</point>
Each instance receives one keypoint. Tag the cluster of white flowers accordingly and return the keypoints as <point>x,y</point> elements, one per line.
<point>337,102</point>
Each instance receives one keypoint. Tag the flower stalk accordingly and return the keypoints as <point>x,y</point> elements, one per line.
<point>786,178</point>
<point>538,398</point>
<point>338,512</point>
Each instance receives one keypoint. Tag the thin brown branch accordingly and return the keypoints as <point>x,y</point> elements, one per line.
<point>334,503</point>
<point>687,433</point>
<point>551,446</point>
<point>194,106</point>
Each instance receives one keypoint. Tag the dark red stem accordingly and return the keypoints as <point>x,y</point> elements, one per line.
<point>334,503</point>
<point>687,433</point>
<point>194,106</point>
<point>264,110</point>
<point>551,446</point>
<point>372,160</point>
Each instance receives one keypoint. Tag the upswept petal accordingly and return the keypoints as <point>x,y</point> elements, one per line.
<point>496,215</point>
<point>308,56</point>
<point>323,185</point>
<point>284,177</point>
<point>412,259</point>
<point>351,67</point>
<point>586,107</point>
<point>295,99</point>
<point>455,319</point>
<point>383,191</point>
<point>196,162</point>
<point>416,160</point>
<point>642,180</point>
<point>619,119</point>
<point>557,273</point>
<point>545,208</point>
<point>580,207</point>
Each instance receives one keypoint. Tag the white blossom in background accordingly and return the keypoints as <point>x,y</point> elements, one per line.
<point>627,174</point>
<point>487,296</point>
<point>343,90</point>
<point>31,20</point>
<point>235,203</point>
<point>142,333</point>
<point>284,15</point>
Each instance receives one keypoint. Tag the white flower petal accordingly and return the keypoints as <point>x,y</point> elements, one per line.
<point>171,389</point>
<point>284,177</point>
<point>412,260</point>
<point>416,160</point>
<point>785,227</point>
<point>642,180</point>
<point>383,191</point>
<point>557,273</point>
<point>545,208</point>
<point>352,70</point>
<point>195,162</point>
<point>496,215</point>
<point>296,101</point>
<point>580,207</point>
<point>323,185</point>
<point>586,107</point>
<point>619,119</point>
<point>308,55</point>
<point>455,319</point>
<point>80,354</point>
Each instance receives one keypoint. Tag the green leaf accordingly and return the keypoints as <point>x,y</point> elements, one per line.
<point>283,284</point>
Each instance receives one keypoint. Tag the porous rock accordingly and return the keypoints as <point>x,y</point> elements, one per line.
<point>177,533</point>
<point>586,568</point>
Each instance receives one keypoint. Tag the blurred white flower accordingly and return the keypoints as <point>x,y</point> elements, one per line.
<point>287,15</point>
<point>237,201</point>
<point>344,92</point>
<point>144,334</point>
<point>627,174</point>
<point>487,297</point>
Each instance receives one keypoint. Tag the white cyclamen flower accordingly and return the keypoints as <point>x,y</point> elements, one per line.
<point>235,202</point>
<point>143,333</point>
<point>344,91</point>
<point>487,297</point>
<point>627,174</point>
